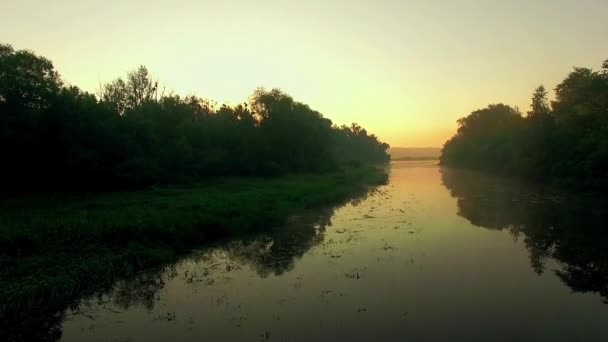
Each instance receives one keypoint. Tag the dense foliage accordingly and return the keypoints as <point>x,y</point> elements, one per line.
<point>132,134</point>
<point>57,250</point>
<point>562,140</point>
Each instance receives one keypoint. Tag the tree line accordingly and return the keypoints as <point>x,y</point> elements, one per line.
<point>560,141</point>
<point>133,134</point>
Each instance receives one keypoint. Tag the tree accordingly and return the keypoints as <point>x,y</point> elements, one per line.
<point>565,142</point>
<point>540,103</point>
<point>483,138</point>
<point>54,137</point>
<point>26,80</point>
<point>132,93</point>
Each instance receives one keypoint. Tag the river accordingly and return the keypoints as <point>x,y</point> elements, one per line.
<point>436,254</point>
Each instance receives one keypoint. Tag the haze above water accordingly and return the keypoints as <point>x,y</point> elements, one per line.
<point>436,253</point>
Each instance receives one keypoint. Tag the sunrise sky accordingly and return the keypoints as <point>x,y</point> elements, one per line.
<point>405,70</point>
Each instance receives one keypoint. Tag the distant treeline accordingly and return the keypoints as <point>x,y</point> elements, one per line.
<point>565,140</point>
<point>414,153</point>
<point>133,134</point>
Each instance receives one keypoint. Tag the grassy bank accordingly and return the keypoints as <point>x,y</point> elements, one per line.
<point>56,248</point>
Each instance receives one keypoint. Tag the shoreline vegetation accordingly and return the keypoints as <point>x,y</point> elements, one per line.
<point>97,187</point>
<point>58,249</point>
<point>134,134</point>
<point>562,143</point>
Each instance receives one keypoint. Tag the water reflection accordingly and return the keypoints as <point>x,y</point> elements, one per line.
<point>567,228</point>
<point>273,252</point>
<point>401,265</point>
<point>276,253</point>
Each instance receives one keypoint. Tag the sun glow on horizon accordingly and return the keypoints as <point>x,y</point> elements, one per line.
<point>404,70</point>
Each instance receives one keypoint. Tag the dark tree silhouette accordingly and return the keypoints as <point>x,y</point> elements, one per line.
<point>540,102</point>
<point>54,137</point>
<point>565,142</point>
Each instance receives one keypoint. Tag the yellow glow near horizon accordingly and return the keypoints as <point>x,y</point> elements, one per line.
<point>405,70</point>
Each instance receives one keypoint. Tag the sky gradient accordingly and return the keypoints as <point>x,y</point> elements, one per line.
<point>405,70</point>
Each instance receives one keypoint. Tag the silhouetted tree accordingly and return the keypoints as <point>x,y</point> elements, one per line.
<point>132,94</point>
<point>566,141</point>
<point>540,103</point>
<point>54,137</point>
<point>26,80</point>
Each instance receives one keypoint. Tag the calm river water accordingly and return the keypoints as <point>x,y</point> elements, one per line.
<point>437,254</point>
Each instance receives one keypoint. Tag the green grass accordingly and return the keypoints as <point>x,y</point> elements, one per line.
<point>57,248</point>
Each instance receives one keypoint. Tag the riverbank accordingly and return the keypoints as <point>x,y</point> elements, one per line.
<point>55,249</point>
<point>591,186</point>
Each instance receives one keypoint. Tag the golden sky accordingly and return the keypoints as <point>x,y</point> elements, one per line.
<point>405,70</point>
